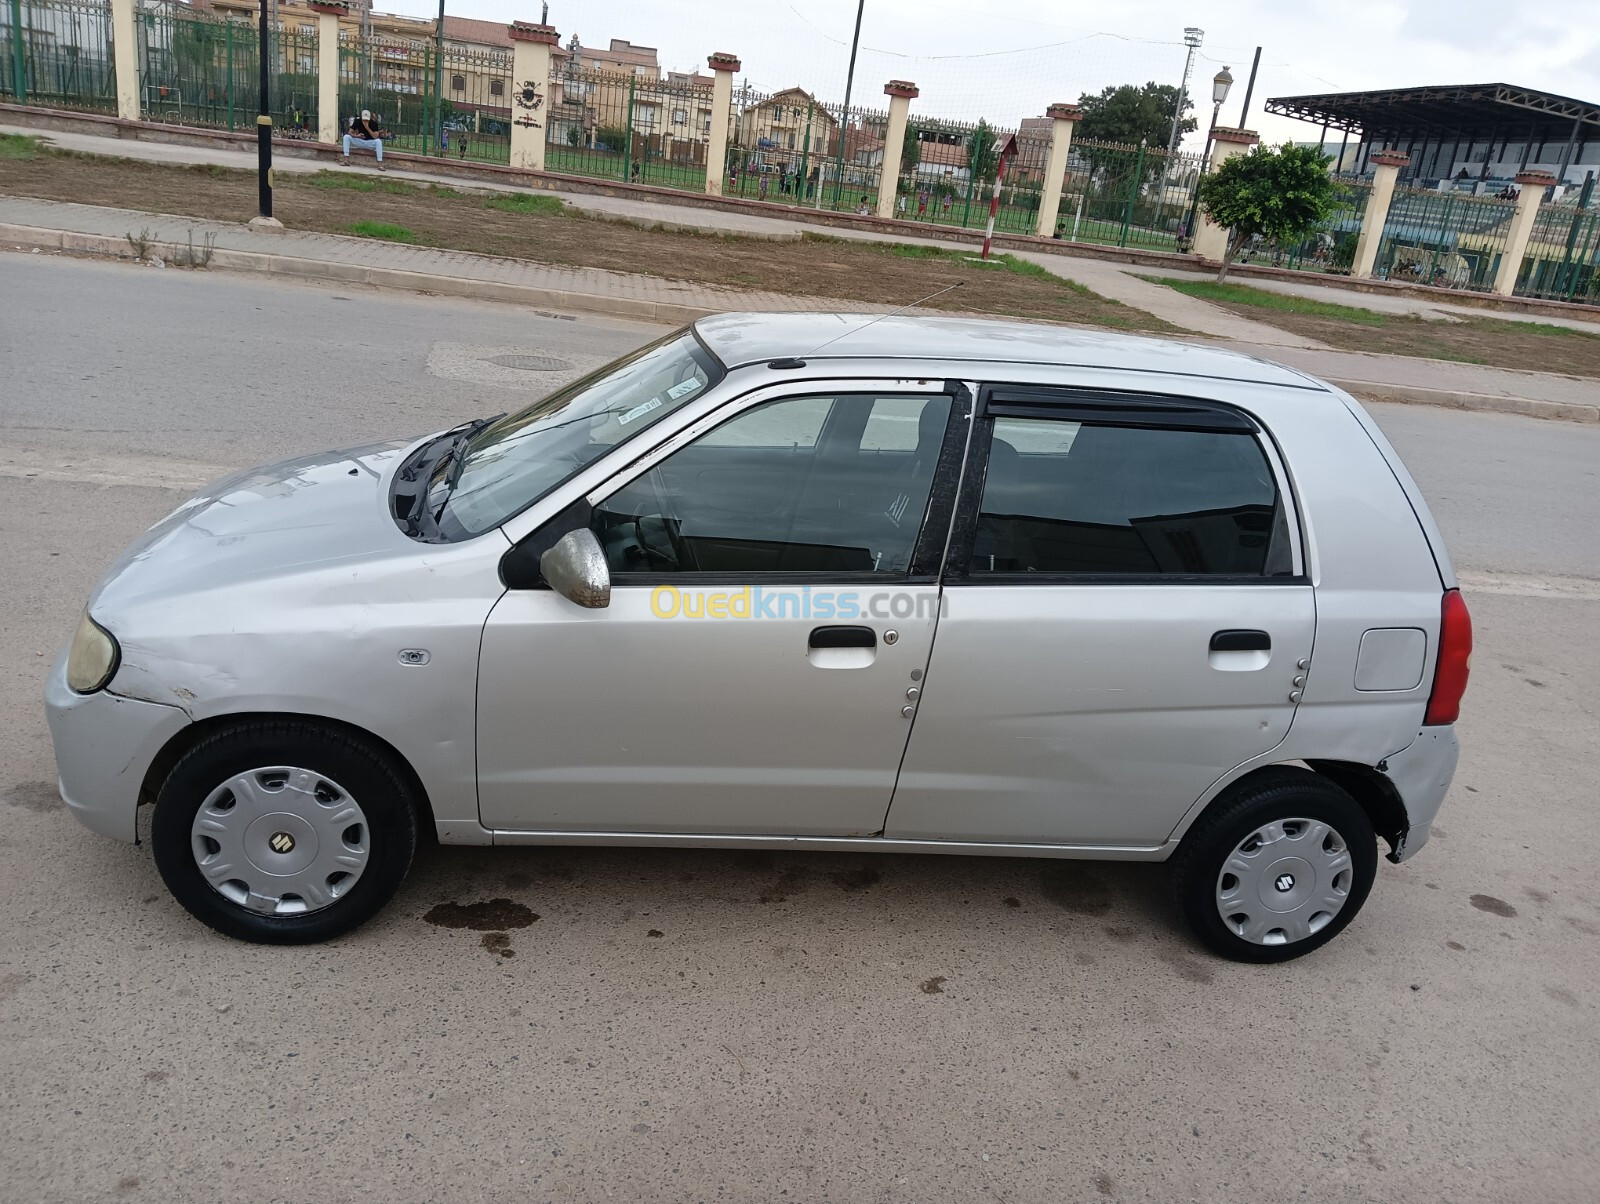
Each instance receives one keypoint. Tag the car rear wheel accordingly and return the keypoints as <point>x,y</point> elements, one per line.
<point>284,832</point>
<point>1276,868</point>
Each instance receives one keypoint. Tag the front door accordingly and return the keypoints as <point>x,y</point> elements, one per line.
<point>1125,623</point>
<point>774,597</point>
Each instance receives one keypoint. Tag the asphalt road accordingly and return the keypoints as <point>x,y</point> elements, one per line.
<point>720,1026</point>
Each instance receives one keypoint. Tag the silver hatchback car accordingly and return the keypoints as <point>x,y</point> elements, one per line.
<point>802,581</point>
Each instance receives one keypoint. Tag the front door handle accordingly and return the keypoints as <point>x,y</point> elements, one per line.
<point>843,637</point>
<point>1236,640</point>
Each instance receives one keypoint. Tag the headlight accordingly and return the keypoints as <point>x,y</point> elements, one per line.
<point>92,659</point>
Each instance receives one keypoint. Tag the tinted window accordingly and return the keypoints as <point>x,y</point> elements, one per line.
<point>1060,497</point>
<point>785,487</point>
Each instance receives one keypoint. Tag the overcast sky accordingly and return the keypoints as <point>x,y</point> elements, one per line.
<point>1005,59</point>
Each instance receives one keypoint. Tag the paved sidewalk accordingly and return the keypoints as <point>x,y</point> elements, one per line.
<point>71,227</point>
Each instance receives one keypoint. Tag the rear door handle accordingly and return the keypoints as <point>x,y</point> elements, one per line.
<point>843,637</point>
<point>1238,640</point>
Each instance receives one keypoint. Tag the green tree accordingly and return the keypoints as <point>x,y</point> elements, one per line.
<point>612,137</point>
<point>983,152</point>
<point>1281,194</point>
<point>1128,114</point>
<point>910,150</point>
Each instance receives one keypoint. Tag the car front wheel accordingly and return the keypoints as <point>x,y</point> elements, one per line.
<point>284,832</point>
<point>1276,868</point>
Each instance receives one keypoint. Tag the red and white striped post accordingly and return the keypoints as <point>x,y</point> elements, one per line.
<point>1006,152</point>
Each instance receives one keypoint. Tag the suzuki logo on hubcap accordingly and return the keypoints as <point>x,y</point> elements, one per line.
<point>282,842</point>
<point>1284,882</point>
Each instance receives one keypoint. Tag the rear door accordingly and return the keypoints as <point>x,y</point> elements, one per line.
<point>1125,621</point>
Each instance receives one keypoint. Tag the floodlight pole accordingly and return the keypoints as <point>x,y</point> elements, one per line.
<point>1192,38</point>
<point>844,127</point>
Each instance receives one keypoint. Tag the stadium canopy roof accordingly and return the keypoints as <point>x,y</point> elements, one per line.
<point>1451,110</point>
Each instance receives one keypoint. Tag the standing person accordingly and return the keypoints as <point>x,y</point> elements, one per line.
<point>733,177</point>
<point>900,206</point>
<point>763,188</point>
<point>945,205</point>
<point>365,133</point>
<point>922,203</point>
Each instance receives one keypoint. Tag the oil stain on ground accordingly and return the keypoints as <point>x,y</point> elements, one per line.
<point>490,916</point>
<point>498,942</point>
<point>934,985</point>
<point>1493,906</point>
<point>34,796</point>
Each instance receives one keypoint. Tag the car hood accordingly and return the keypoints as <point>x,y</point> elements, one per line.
<point>295,514</point>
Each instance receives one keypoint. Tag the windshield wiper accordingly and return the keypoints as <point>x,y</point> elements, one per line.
<point>425,467</point>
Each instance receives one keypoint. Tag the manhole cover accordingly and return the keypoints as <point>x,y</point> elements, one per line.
<point>532,363</point>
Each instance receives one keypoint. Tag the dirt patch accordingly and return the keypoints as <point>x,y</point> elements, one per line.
<point>35,796</point>
<point>869,273</point>
<point>492,915</point>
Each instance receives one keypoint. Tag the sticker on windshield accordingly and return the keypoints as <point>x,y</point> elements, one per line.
<point>639,411</point>
<point>682,387</point>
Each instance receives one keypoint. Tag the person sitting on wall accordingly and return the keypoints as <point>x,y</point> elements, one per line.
<point>365,133</point>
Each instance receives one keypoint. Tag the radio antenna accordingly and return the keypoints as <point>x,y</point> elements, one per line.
<point>881,317</point>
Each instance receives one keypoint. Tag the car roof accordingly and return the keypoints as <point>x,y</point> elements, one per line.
<point>741,339</point>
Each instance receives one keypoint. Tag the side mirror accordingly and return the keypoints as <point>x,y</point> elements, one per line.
<point>576,569</point>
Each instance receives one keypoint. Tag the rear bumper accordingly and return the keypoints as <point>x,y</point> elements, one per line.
<point>104,745</point>
<point>1421,773</point>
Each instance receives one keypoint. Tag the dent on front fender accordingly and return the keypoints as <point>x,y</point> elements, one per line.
<point>1421,773</point>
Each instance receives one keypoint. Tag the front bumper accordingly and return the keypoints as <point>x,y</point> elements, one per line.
<point>1421,773</point>
<point>104,746</point>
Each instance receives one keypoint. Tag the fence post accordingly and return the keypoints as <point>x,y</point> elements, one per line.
<point>228,38</point>
<point>1386,170</point>
<point>900,93</point>
<point>328,14</point>
<point>627,144</point>
<point>1063,117</point>
<point>1210,239</point>
<point>723,65</point>
<point>125,54</point>
<point>1133,194</point>
<point>19,56</point>
<point>530,89</point>
<point>1533,184</point>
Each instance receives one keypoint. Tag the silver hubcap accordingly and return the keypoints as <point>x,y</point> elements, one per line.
<point>280,841</point>
<point>1285,881</point>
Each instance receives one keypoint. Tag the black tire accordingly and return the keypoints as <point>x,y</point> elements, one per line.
<point>1280,793</point>
<point>367,773</point>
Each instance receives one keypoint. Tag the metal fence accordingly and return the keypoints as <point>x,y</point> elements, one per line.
<point>200,71</point>
<point>1128,195</point>
<point>1562,262</point>
<point>629,127</point>
<point>1450,239</point>
<point>57,53</point>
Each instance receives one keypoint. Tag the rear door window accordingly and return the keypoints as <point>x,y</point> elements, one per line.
<point>1069,497</point>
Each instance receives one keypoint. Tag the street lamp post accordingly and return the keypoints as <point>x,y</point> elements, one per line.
<point>844,126</point>
<point>1220,83</point>
<point>264,126</point>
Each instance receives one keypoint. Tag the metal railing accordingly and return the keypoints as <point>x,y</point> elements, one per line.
<point>57,53</point>
<point>1450,239</point>
<point>628,127</point>
<point>196,70</point>
<point>1562,262</point>
<point>1331,247</point>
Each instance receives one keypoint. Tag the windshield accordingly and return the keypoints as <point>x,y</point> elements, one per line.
<point>512,463</point>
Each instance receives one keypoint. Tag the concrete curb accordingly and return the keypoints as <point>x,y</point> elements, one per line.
<point>667,313</point>
<point>273,264</point>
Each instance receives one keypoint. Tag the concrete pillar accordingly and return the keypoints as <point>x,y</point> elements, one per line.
<point>328,115</point>
<point>900,94</point>
<point>1063,117</point>
<point>1210,239</point>
<point>1386,165</point>
<point>530,91</point>
<point>1533,184</point>
<point>125,55</point>
<point>723,66</point>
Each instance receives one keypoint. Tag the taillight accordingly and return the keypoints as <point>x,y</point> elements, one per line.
<point>1455,660</point>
